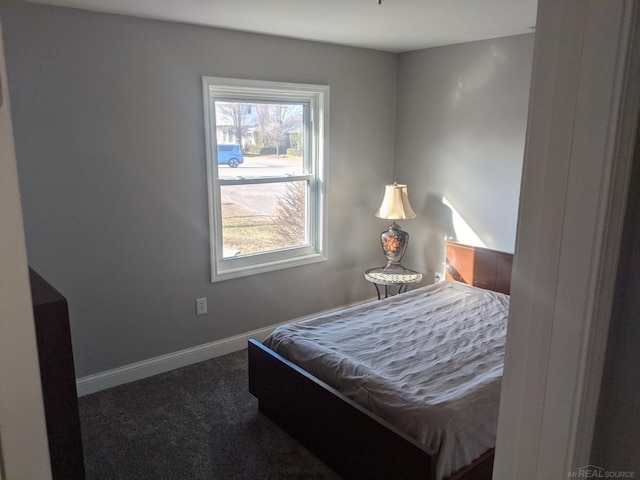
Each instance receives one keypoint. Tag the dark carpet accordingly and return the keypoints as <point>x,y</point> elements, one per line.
<point>197,422</point>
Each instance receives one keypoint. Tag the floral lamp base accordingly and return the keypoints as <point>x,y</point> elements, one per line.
<point>394,244</point>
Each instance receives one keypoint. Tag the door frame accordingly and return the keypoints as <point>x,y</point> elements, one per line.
<point>580,141</point>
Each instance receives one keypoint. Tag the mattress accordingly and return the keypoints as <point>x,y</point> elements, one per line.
<point>428,361</point>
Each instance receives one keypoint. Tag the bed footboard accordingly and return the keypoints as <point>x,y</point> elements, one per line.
<point>353,441</point>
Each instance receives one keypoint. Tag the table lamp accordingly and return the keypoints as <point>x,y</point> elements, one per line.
<point>395,206</point>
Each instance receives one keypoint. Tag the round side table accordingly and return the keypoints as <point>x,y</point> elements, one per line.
<point>401,279</point>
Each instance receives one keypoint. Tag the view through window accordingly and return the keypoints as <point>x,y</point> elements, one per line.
<point>265,157</point>
<point>259,216</point>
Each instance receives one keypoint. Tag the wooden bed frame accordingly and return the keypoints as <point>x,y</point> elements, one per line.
<point>352,440</point>
<point>480,267</point>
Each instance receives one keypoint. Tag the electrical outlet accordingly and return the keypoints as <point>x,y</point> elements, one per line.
<point>201,306</point>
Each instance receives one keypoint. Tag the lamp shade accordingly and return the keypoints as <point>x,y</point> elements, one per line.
<point>395,204</point>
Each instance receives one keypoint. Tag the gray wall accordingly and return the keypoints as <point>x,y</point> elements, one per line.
<point>616,439</point>
<point>108,121</point>
<point>109,134</point>
<point>460,129</point>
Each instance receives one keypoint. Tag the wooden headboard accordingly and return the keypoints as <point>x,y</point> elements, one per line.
<point>479,266</point>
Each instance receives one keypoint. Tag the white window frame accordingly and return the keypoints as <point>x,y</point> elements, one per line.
<point>317,99</point>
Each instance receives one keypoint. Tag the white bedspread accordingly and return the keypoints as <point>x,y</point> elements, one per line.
<point>428,361</point>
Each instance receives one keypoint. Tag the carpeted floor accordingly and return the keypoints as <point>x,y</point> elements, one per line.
<point>197,422</point>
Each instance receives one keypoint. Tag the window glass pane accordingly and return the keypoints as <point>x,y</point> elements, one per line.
<point>263,217</point>
<point>257,140</point>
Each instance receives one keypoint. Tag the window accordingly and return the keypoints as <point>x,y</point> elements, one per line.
<point>265,162</point>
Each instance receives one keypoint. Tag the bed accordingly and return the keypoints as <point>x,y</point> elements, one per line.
<point>370,414</point>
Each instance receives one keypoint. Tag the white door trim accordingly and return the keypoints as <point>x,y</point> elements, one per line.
<point>580,140</point>
<point>24,445</point>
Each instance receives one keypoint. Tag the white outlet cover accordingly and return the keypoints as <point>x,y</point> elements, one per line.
<point>201,306</point>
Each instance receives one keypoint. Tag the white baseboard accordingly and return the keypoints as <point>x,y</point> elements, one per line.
<point>165,363</point>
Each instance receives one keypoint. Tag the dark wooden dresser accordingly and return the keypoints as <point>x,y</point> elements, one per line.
<point>58,378</point>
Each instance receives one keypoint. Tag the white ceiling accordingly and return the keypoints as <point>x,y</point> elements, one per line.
<point>393,25</point>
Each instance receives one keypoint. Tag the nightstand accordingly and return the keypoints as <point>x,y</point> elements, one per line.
<point>400,279</point>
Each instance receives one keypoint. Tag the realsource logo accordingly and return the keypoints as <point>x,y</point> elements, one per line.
<point>592,471</point>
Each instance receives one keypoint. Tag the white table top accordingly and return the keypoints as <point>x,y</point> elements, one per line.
<point>392,277</point>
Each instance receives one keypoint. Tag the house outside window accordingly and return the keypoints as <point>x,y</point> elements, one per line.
<point>266,145</point>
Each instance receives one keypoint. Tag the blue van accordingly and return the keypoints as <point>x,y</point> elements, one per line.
<point>229,154</point>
